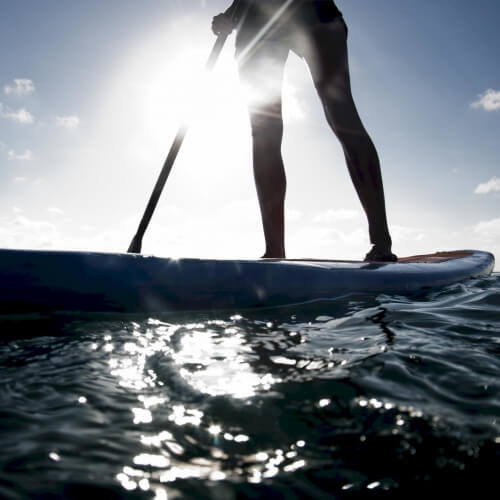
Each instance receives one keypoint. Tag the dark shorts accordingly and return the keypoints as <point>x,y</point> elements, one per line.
<point>323,47</point>
<point>279,20</point>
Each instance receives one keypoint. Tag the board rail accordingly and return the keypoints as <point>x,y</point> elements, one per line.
<point>50,281</point>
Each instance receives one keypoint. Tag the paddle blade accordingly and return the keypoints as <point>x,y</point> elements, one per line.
<point>135,245</point>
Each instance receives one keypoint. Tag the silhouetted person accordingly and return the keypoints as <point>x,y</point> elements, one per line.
<point>315,30</point>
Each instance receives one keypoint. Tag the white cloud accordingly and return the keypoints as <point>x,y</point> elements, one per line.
<point>407,234</point>
<point>489,230</point>
<point>22,232</point>
<point>486,236</point>
<point>21,115</point>
<point>68,122</point>
<point>293,110</point>
<point>487,187</point>
<point>20,86</point>
<point>55,210</point>
<point>489,100</point>
<point>19,180</point>
<point>330,216</point>
<point>292,215</point>
<point>26,156</point>
<point>327,243</point>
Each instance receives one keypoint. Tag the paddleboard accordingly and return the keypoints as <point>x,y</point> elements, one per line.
<point>50,281</point>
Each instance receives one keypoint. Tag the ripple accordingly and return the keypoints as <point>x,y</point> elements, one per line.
<point>363,395</point>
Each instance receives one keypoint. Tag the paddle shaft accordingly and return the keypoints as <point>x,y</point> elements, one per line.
<point>136,244</point>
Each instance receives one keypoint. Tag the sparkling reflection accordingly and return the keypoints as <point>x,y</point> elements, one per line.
<point>254,468</point>
<point>214,359</point>
<point>173,371</point>
<point>357,413</point>
<point>183,416</point>
<point>216,364</point>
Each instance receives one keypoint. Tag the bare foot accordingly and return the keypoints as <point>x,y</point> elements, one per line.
<point>270,255</point>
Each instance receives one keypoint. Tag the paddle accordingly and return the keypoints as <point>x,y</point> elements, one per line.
<point>136,244</point>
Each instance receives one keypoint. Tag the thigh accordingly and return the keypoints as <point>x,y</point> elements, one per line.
<point>324,48</point>
<point>261,74</point>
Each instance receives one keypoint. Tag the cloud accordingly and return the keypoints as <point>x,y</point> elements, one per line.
<point>292,215</point>
<point>68,122</point>
<point>486,235</point>
<point>26,156</point>
<point>406,233</point>
<point>489,230</point>
<point>55,210</point>
<point>330,215</point>
<point>20,86</point>
<point>20,116</point>
<point>327,243</point>
<point>22,232</point>
<point>489,100</point>
<point>293,110</point>
<point>19,180</point>
<point>487,187</point>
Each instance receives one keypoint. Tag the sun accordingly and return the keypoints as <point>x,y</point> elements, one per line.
<point>163,85</point>
<point>157,85</point>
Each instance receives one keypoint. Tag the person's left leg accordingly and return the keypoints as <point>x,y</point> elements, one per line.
<point>324,48</point>
<point>262,74</point>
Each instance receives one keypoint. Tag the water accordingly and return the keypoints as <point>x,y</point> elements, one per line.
<point>361,397</point>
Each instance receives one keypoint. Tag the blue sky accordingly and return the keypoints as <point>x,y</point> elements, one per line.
<point>92,92</point>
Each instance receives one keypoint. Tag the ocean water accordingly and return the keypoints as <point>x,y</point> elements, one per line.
<point>359,397</point>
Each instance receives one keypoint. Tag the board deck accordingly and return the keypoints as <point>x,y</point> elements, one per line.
<point>435,257</point>
<point>37,281</point>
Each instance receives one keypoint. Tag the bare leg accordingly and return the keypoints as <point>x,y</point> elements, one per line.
<point>325,51</point>
<point>262,74</point>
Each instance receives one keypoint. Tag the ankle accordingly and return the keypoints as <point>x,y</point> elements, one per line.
<point>269,254</point>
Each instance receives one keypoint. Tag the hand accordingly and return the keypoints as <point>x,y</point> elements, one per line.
<point>222,25</point>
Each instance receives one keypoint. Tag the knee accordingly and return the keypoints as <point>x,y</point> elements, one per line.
<point>334,91</point>
<point>355,141</point>
<point>267,129</point>
<point>347,126</point>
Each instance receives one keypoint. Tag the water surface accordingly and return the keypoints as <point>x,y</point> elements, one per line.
<point>359,397</point>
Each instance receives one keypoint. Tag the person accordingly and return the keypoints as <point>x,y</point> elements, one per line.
<point>267,30</point>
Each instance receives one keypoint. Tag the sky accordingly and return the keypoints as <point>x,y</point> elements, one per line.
<point>92,93</point>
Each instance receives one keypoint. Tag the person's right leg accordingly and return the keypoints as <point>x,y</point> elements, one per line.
<point>261,74</point>
<point>325,50</point>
